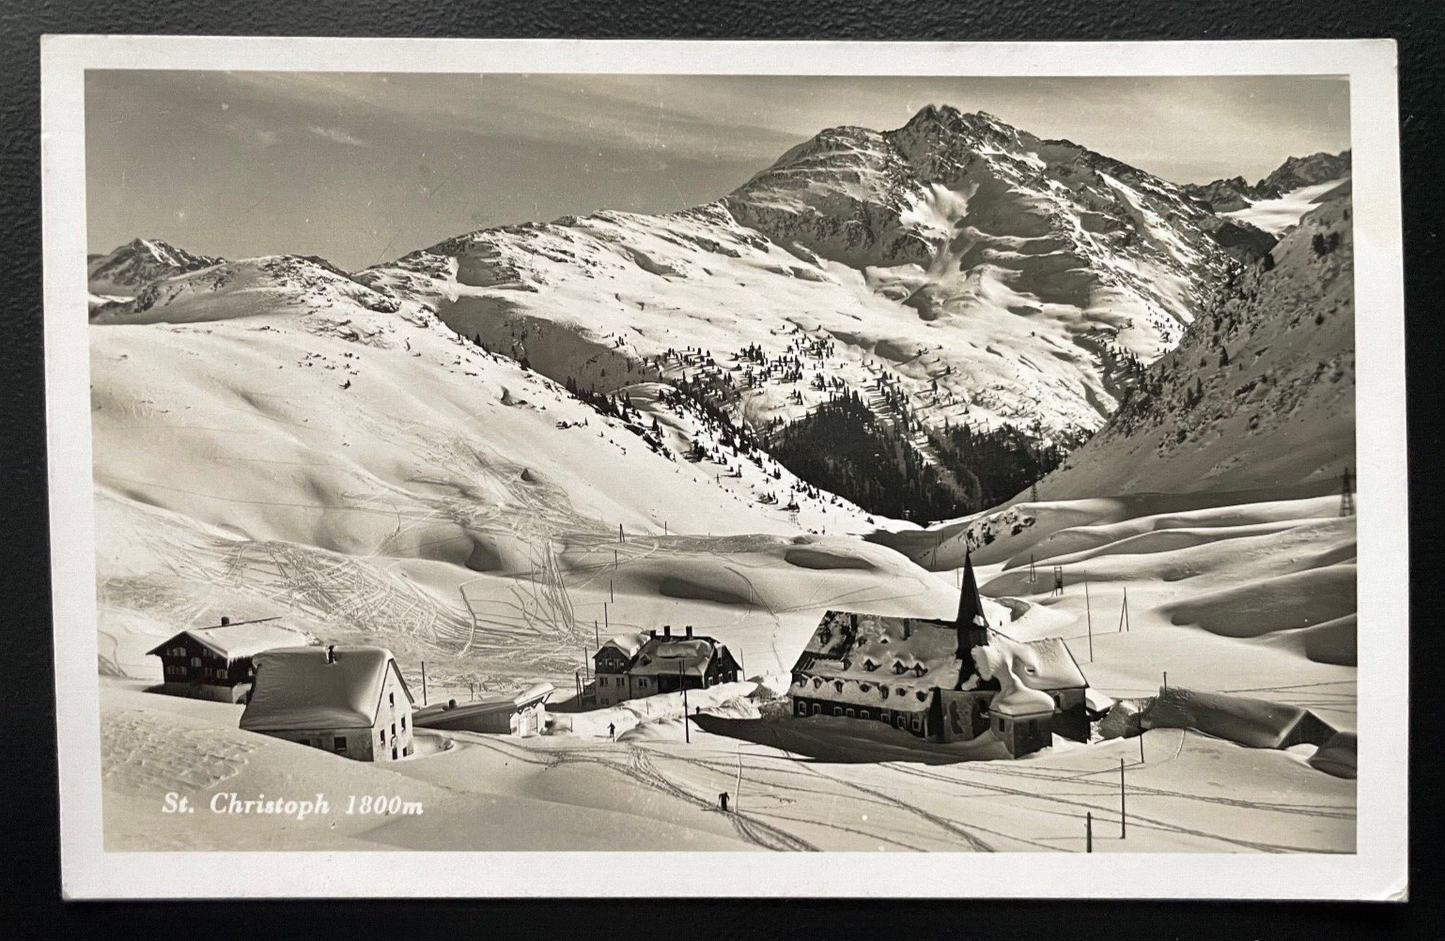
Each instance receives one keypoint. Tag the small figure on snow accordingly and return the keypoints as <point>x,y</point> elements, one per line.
<point>722,800</point>
<point>612,731</point>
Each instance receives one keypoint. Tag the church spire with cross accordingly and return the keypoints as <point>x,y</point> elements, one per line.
<point>971,623</point>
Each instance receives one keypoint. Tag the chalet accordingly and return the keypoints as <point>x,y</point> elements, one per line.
<point>631,666</point>
<point>348,700</point>
<point>523,714</point>
<point>942,680</point>
<point>216,662</point>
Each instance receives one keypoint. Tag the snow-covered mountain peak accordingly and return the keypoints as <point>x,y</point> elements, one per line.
<point>130,267</point>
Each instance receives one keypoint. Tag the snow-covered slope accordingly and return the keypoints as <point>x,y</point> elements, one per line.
<point>993,276</point>
<point>130,267</point>
<point>1259,395</point>
<point>1279,200</point>
<point>273,438</point>
<point>1277,215</point>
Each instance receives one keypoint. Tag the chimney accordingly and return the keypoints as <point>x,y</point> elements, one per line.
<point>330,653</point>
<point>667,630</point>
<point>653,632</point>
<point>225,621</point>
<point>689,630</point>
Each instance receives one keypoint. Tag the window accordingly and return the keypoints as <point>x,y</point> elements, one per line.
<point>339,743</point>
<point>383,736</point>
<point>998,724</point>
<point>221,675</point>
<point>403,722</point>
<point>917,723</point>
<point>195,661</point>
<point>864,714</point>
<point>837,710</point>
<point>391,697</point>
<point>393,730</point>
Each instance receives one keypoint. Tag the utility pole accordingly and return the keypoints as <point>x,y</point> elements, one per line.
<point>1123,831</point>
<point>606,623</point>
<point>682,681</point>
<point>1089,614</point>
<point>1089,832</point>
<point>596,634</point>
<point>423,683</point>
<point>1124,612</point>
<point>1166,679</point>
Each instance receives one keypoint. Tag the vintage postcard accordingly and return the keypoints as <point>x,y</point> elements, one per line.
<point>511,468</point>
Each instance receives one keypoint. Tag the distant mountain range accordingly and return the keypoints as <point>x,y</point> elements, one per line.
<point>1295,173</point>
<point>953,273</point>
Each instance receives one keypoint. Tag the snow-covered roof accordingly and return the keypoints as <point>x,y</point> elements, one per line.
<point>688,655</point>
<point>1046,663</point>
<point>238,640</point>
<point>297,688</point>
<point>852,658</point>
<point>628,644</point>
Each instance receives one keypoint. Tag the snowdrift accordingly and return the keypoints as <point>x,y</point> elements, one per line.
<point>1252,722</point>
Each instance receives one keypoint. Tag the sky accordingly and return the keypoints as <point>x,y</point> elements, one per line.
<point>361,168</point>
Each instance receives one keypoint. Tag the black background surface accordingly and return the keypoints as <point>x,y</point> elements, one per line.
<point>28,797</point>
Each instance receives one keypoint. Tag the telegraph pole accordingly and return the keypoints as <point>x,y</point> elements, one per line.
<point>423,683</point>
<point>1089,614</point>
<point>682,681</point>
<point>1089,832</point>
<point>1122,826</point>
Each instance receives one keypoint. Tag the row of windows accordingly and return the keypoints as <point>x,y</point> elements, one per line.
<point>181,671</point>
<point>899,719</point>
<point>195,661</point>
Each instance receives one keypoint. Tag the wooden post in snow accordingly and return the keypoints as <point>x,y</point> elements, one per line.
<point>682,681</point>
<point>1089,615</point>
<point>1123,828</point>
<point>423,683</point>
<point>1089,832</point>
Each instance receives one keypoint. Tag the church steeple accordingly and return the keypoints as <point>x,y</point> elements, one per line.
<point>971,623</point>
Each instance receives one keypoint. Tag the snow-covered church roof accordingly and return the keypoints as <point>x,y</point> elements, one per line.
<point>303,688</point>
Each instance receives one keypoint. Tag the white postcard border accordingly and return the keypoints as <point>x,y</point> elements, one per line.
<point>1376,871</point>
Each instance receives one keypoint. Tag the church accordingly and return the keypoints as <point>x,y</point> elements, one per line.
<point>940,680</point>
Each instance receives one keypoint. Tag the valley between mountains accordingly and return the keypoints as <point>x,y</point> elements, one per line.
<point>818,391</point>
